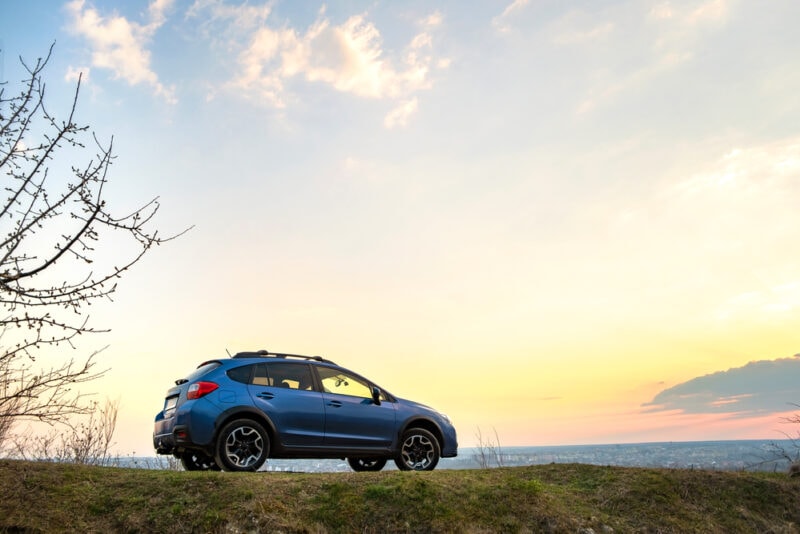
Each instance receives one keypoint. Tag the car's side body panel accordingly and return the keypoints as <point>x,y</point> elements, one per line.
<point>298,415</point>
<point>357,422</point>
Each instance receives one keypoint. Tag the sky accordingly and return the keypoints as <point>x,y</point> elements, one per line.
<point>556,222</point>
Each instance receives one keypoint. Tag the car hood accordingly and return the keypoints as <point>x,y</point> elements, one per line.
<point>419,406</point>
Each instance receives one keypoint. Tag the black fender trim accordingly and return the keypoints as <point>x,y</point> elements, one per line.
<point>250,413</point>
<point>421,422</point>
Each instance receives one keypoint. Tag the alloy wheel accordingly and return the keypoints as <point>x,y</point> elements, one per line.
<point>244,447</point>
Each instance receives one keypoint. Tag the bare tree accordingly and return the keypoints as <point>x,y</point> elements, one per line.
<point>488,450</point>
<point>85,440</point>
<point>52,219</point>
<point>790,452</point>
<point>779,454</point>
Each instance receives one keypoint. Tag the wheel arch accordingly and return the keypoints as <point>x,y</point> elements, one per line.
<point>426,424</point>
<point>244,412</point>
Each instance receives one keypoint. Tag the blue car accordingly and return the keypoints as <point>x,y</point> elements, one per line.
<point>236,412</point>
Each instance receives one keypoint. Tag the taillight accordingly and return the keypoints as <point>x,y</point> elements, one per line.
<point>200,389</point>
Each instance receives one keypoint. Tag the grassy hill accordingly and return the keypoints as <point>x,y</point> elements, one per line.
<point>46,497</point>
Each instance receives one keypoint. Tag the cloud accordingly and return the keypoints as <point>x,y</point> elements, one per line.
<point>662,11</point>
<point>766,386</point>
<point>717,236</point>
<point>749,171</point>
<point>119,45</point>
<point>580,28</point>
<point>742,211</point>
<point>769,305</point>
<point>656,43</point>
<point>502,21</point>
<point>677,29</point>
<point>400,115</point>
<point>275,61</point>
<point>627,82</point>
<point>584,35</point>
<point>710,11</point>
<point>222,23</point>
<point>75,73</point>
<point>691,13</point>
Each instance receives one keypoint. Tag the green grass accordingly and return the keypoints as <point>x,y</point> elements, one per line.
<point>46,497</point>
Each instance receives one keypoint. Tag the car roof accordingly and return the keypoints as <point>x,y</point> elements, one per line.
<point>279,355</point>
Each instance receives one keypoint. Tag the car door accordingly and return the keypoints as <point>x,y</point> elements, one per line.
<point>284,391</point>
<point>352,419</point>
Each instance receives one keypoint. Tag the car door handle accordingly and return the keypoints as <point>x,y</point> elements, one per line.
<point>265,395</point>
<point>335,404</point>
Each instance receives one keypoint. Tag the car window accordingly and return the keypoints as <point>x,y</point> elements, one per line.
<point>288,375</point>
<point>202,369</point>
<point>241,374</point>
<point>260,376</point>
<point>343,383</point>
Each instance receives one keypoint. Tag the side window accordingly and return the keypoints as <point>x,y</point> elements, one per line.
<point>341,383</point>
<point>289,375</point>
<point>240,374</point>
<point>260,375</point>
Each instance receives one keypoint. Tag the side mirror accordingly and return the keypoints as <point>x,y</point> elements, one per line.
<point>376,395</point>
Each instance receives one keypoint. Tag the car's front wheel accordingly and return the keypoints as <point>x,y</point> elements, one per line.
<point>242,445</point>
<point>197,461</point>
<point>419,451</point>
<point>366,464</point>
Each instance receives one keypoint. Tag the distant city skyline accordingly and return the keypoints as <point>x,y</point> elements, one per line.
<point>563,223</point>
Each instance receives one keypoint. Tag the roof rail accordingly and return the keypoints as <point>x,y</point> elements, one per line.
<point>266,354</point>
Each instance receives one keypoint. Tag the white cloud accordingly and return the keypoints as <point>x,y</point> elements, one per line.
<point>672,33</point>
<point>348,57</point>
<point>399,116</point>
<point>769,304</point>
<point>762,169</point>
<point>75,73</point>
<point>605,92</point>
<point>581,36</point>
<point>501,22</point>
<point>662,11</point>
<point>739,215</point>
<point>157,10</point>
<point>678,28</point>
<point>692,13</point>
<point>579,27</point>
<point>710,11</point>
<point>119,45</point>
<point>235,20</point>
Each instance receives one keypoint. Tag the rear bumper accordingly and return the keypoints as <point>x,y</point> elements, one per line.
<point>170,434</point>
<point>191,426</point>
<point>164,444</point>
<point>171,442</point>
<point>163,441</point>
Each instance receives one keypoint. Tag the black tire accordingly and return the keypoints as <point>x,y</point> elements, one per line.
<point>366,464</point>
<point>242,445</point>
<point>419,451</point>
<point>198,461</point>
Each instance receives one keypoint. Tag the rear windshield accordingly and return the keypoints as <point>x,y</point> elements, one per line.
<point>202,369</point>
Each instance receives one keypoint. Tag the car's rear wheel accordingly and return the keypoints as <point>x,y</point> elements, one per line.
<point>366,464</point>
<point>198,461</point>
<point>419,451</point>
<point>242,445</point>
